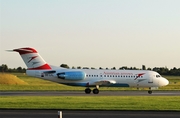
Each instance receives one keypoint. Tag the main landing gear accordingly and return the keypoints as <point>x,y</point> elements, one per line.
<point>88,91</point>
<point>95,91</point>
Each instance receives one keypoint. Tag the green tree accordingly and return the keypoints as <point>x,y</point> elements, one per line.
<point>19,69</point>
<point>123,68</point>
<point>3,68</point>
<point>143,67</point>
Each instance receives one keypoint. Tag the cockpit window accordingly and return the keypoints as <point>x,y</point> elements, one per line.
<point>158,76</point>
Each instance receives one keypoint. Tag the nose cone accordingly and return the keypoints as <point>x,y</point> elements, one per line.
<point>163,82</point>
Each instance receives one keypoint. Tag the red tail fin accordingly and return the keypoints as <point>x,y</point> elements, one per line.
<point>32,59</point>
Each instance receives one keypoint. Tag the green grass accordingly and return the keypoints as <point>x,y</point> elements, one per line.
<point>174,83</point>
<point>91,102</point>
<point>10,79</point>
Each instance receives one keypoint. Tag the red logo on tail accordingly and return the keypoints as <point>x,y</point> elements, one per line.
<point>31,58</point>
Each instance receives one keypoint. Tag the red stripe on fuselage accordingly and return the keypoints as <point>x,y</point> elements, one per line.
<point>44,67</point>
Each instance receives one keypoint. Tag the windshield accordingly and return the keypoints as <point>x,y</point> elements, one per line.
<point>157,76</point>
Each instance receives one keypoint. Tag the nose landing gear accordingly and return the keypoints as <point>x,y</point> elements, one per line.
<point>150,91</point>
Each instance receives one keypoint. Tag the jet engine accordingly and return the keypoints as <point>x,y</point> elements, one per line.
<point>72,75</point>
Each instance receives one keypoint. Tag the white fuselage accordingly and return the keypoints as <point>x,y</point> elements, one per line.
<point>119,78</point>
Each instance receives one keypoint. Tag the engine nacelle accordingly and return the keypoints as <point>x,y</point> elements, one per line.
<point>72,75</point>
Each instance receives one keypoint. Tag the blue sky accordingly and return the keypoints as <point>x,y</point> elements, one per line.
<point>92,33</point>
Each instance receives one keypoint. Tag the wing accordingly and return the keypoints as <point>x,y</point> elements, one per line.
<point>104,82</point>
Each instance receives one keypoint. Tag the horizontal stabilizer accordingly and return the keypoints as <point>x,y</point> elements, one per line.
<point>10,50</point>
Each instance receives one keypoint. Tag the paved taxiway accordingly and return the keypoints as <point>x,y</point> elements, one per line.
<point>86,114</point>
<point>102,93</point>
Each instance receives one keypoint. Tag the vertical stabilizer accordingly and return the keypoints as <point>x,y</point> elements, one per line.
<point>32,59</point>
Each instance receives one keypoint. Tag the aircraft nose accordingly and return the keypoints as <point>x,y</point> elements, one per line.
<point>163,82</point>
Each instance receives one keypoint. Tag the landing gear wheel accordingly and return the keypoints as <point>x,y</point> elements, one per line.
<point>150,92</point>
<point>95,91</point>
<point>87,90</point>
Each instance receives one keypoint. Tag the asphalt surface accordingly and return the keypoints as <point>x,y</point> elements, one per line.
<point>86,114</point>
<point>89,114</point>
<point>102,93</point>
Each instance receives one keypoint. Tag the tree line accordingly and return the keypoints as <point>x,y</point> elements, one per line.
<point>161,70</point>
<point>4,68</point>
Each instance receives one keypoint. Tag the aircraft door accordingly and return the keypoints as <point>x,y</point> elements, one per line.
<point>151,79</point>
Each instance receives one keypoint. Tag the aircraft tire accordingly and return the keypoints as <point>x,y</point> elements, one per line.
<point>87,90</point>
<point>95,91</point>
<point>150,92</point>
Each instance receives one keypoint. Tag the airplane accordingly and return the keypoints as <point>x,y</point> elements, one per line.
<point>38,67</point>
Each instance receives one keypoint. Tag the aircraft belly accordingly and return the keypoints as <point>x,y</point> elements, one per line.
<point>85,84</point>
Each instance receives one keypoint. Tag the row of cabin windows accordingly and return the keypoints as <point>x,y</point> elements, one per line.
<point>111,76</point>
